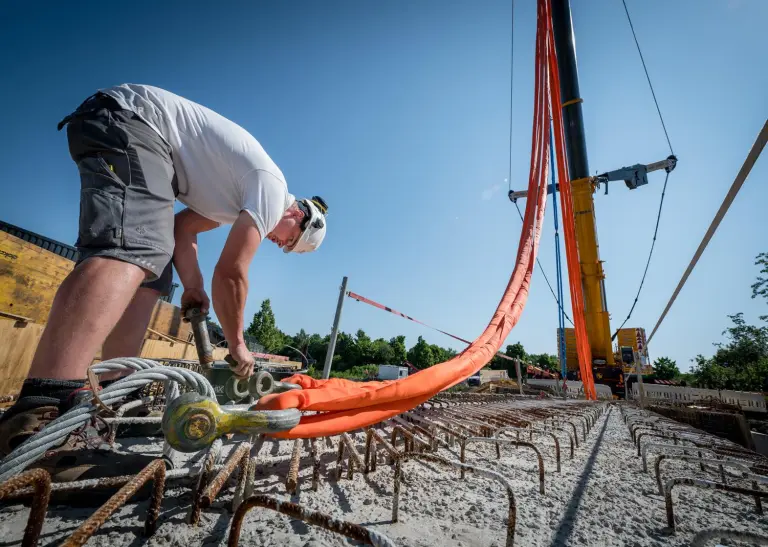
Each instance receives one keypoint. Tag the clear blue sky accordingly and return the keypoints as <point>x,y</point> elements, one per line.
<point>397,114</point>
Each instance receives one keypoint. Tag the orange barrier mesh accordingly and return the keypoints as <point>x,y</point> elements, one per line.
<point>344,405</point>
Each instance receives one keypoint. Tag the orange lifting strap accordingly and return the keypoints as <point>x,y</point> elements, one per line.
<point>569,219</point>
<point>344,405</point>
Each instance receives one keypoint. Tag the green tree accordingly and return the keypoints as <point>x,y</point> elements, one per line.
<point>264,329</point>
<point>545,361</point>
<point>364,348</point>
<point>421,355</point>
<point>318,347</point>
<point>760,287</point>
<point>513,350</point>
<point>346,352</point>
<point>666,369</point>
<point>301,340</point>
<point>741,363</point>
<point>516,350</point>
<point>382,353</point>
<point>397,343</point>
<point>442,354</point>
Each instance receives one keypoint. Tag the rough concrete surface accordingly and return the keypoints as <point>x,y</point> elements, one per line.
<point>600,498</point>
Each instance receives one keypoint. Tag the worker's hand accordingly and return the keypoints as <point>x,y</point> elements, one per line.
<point>194,298</point>
<point>245,361</point>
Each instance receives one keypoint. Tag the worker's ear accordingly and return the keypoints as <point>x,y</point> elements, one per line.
<point>242,242</point>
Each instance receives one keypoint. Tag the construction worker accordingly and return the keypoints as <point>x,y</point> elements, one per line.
<point>138,149</point>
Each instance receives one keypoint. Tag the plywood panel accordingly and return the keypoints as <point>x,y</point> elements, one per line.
<point>29,277</point>
<point>18,342</point>
<point>161,349</point>
<point>166,318</point>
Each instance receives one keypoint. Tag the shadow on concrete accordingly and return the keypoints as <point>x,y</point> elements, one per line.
<point>565,529</point>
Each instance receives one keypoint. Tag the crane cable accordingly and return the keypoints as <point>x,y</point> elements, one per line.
<point>541,269</point>
<point>642,60</point>
<point>666,179</point>
<point>754,153</point>
<point>647,262</point>
<point>509,174</point>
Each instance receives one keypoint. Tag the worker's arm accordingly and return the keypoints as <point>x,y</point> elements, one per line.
<point>230,288</point>
<point>187,225</point>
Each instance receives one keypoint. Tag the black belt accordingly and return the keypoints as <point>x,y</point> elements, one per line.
<point>97,101</point>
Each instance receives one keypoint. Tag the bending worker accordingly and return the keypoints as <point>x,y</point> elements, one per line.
<point>138,149</point>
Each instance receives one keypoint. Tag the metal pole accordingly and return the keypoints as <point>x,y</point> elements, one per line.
<point>197,320</point>
<point>334,331</point>
<point>639,380</point>
<point>565,47</point>
<point>519,376</point>
<point>561,309</point>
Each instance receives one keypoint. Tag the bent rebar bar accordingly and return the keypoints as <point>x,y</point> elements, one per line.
<point>40,481</point>
<point>487,473</point>
<point>293,510</point>
<point>705,537</point>
<point>700,483</point>
<point>491,440</point>
<point>155,471</point>
<point>554,438</point>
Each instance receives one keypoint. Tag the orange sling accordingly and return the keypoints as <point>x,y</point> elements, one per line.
<point>344,405</point>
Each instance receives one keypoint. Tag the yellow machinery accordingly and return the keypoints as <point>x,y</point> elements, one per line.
<point>607,365</point>
<point>592,276</point>
<point>631,344</point>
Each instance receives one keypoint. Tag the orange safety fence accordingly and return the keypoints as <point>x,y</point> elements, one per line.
<point>345,405</point>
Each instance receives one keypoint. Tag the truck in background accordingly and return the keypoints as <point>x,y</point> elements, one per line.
<point>475,379</point>
<point>631,344</point>
<point>391,372</point>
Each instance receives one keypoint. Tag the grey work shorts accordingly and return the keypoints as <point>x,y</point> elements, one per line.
<point>128,187</point>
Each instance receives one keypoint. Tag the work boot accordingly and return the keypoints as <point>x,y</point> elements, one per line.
<point>83,454</point>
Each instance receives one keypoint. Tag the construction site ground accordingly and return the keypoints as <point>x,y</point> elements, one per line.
<point>600,497</point>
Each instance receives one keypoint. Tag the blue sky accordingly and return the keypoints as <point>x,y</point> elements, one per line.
<point>397,113</point>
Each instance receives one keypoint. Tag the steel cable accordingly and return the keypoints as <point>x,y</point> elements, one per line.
<point>146,372</point>
<point>648,262</point>
<point>666,179</point>
<point>541,269</point>
<point>647,76</point>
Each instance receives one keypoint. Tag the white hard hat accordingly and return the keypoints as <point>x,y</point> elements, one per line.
<point>313,225</point>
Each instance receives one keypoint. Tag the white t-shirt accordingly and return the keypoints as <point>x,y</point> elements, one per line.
<point>221,168</point>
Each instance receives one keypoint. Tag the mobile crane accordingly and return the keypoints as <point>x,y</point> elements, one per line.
<point>607,363</point>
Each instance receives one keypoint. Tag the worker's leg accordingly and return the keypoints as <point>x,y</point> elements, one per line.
<point>126,338</point>
<point>125,237</point>
<point>87,306</point>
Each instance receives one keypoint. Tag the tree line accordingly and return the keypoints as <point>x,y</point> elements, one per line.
<point>741,361</point>
<point>358,355</point>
